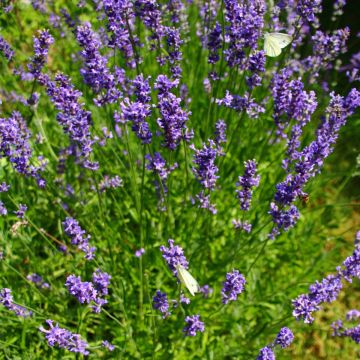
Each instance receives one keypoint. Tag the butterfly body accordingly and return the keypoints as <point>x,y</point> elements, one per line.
<point>187,280</point>
<point>274,42</point>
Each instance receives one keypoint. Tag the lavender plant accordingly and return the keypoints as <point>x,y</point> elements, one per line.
<point>125,124</point>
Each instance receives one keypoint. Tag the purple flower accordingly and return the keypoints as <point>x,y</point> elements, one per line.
<point>110,183</point>
<point>101,281</point>
<point>193,325</point>
<point>352,265</point>
<point>38,281</point>
<point>266,354</point>
<point>5,49</point>
<point>161,303</point>
<point>247,182</point>
<point>220,132</point>
<point>204,202</point>
<point>173,118</point>
<point>353,314</point>
<point>3,210</point>
<point>120,15</point>
<point>157,164</point>
<point>242,225</point>
<point>307,9</point>
<point>83,291</point>
<point>6,299</point>
<point>174,255</point>
<point>184,299</point>
<point>245,23</point>
<point>74,119</point>
<point>241,103</point>
<point>214,43</point>
<point>137,112</point>
<point>206,290</point>
<point>107,345</point>
<point>64,339</point>
<point>206,169</point>
<point>15,145</point>
<point>327,290</point>
<point>284,338</point>
<point>42,42</point>
<point>233,286</point>
<point>95,71</point>
<point>341,331</point>
<point>139,252</point>
<point>78,237</point>
<point>20,213</point>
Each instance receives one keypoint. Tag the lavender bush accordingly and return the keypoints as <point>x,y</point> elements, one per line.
<point>154,149</point>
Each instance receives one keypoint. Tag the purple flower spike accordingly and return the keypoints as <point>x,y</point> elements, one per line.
<point>101,281</point>
<point>78,237</point>
<point>161,303</point>
<point>20,213</point>
<point>83,291</point>
<point>6,299</point>
<point>42,43</point>
<point>193,325</point>
<point>64,339</point>
<point>107,345</point>
<point>233,286</point>
<point>174,255</point>
<point>247,182</point>
<point>5,49</point>
<point>266,354</point>
<point>284,338</point>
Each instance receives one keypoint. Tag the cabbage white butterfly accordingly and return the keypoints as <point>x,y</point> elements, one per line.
<point>274,42</point>
<point>187,280</point>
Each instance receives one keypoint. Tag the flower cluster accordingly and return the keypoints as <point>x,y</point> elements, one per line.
<point>246,20</point>
<point>284,339</point>
<point>247,182</point>
<point>119,17</point>
<point>72,116</point>
<point>64,339</point>
<point>161,303</point>
<point>5,49</point>
<point>7,300</point>
<point>90,292</point>
<point>353,332</point>
<point>95,71</point>
<point>78,237</point>
<point>38,281</point>
<point>193,325</point>
<point>241,103</point>
<point>174,255</point>
<point>15,146</point>
<point>110,183</point>
<point>173,118</point>
<point>42,44</point>
<point>233,286</point>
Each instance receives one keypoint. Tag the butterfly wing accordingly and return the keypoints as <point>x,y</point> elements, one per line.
<point>274,42</point>
<point>271,48</point>
<point>281,39</point>
<point>187,280</point>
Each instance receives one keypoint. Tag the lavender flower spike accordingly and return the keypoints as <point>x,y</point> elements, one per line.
<point>233,286</point>
<point>174,255</point>
<point>193,325</point>
<point>7,300</point>
<point>42,43</point>
<point>64,339</point>
<point>247,182</point>
<point>161,303</point>
<point>266,354</point>
<point>284,338</point>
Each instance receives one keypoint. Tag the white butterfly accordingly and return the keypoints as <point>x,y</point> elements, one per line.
<point>187,280</point>
<point>274,42</point>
